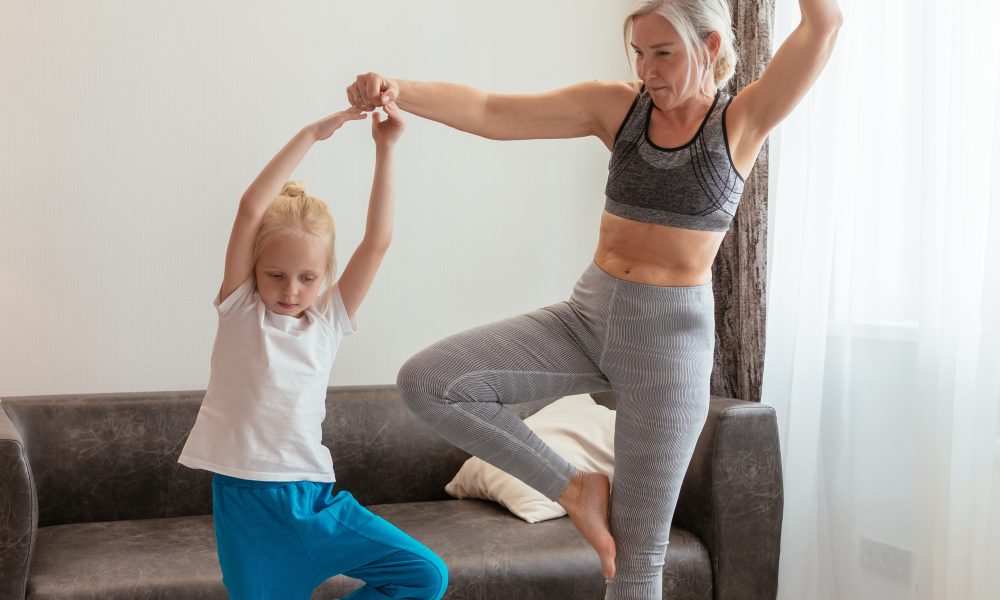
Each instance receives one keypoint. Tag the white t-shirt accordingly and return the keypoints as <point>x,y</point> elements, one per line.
<point>262,415</point>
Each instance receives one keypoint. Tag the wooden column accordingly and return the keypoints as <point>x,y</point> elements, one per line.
<point>739,273</point>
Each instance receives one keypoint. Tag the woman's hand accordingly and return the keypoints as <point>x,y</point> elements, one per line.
<point>371,90</point>
<point>324,128</point>
<point>385,133</point>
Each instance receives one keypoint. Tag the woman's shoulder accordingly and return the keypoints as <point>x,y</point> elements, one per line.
<point>604,97</point>
<point>612,95</point>
<point>611,102</point>
<point>617,89</point>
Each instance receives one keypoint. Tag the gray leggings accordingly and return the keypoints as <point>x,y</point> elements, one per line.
<point>651,345</point>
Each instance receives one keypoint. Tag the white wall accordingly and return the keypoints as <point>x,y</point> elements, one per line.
<point>130,129</point>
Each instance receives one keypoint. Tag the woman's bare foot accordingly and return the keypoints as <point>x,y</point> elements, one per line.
<point>586,499</point>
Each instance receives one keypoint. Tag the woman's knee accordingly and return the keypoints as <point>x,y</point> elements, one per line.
<point>416,383</point>
<point>412,375</point>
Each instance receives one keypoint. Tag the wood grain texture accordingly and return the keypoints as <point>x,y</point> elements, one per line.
<point>740,270</point>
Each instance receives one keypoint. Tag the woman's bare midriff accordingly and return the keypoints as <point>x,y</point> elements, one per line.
<point>656,254</point>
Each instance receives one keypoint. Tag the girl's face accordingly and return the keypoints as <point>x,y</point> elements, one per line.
<point>661,61</point>
<point>289,273</point>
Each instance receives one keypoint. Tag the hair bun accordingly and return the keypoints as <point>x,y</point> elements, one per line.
<point>293,189</point>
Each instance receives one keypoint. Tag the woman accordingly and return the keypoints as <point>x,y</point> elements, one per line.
<point>640,320</point>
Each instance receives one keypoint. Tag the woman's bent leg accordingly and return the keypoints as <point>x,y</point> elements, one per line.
<point>459,387</point>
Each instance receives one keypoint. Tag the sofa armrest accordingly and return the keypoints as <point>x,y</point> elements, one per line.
<point>18,512</point>
<point>732,498</point>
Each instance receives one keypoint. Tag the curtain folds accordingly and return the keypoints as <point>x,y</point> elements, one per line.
<point>883,317</point>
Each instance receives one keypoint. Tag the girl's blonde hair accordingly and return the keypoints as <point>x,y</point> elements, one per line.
<point>295,213</point>
<point>694,20</point>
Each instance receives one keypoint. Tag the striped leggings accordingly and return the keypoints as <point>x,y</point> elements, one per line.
<point>651,345</point>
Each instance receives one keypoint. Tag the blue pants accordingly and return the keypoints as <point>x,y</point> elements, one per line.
<point>280,540</point>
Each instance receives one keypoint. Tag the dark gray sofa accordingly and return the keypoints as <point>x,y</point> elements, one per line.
<point>93,504</point>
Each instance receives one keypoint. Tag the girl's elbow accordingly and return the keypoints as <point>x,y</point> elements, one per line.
<point>378,246</point>
<point>252,203</point>
<point>250,209</point>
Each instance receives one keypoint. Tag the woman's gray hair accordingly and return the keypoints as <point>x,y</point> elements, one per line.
<point>694,20</point>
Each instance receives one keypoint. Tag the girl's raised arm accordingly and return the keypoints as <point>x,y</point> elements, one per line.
<point>367,258</point>
<point>264,189</point>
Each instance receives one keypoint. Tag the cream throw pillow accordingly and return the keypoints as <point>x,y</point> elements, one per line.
<point>576,427</point>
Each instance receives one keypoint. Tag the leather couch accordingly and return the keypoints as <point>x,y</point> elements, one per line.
<point>94,505</point>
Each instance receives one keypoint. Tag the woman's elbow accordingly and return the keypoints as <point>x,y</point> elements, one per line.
<point>831,22</point>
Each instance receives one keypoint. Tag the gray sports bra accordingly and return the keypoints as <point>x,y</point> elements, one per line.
<point>694,186</point>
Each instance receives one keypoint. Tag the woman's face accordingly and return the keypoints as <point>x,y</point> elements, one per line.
<point>662,61</point>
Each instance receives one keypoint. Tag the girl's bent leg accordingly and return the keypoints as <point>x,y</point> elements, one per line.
<point>459,386</point>
<point>348,538</point>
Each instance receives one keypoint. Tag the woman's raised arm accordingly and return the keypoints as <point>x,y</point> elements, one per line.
<point>761,105</point>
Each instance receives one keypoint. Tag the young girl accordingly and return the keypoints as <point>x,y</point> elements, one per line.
<point>280,529</point>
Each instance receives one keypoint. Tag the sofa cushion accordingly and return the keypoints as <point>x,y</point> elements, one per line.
<point>575,427</point>
<point>166,559</point>
<point>490,554</point>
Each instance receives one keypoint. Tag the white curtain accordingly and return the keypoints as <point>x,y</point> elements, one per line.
<point>883,337</point>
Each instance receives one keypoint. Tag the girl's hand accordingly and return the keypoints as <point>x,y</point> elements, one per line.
<point>324,128</point>
<point>385,133</point>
